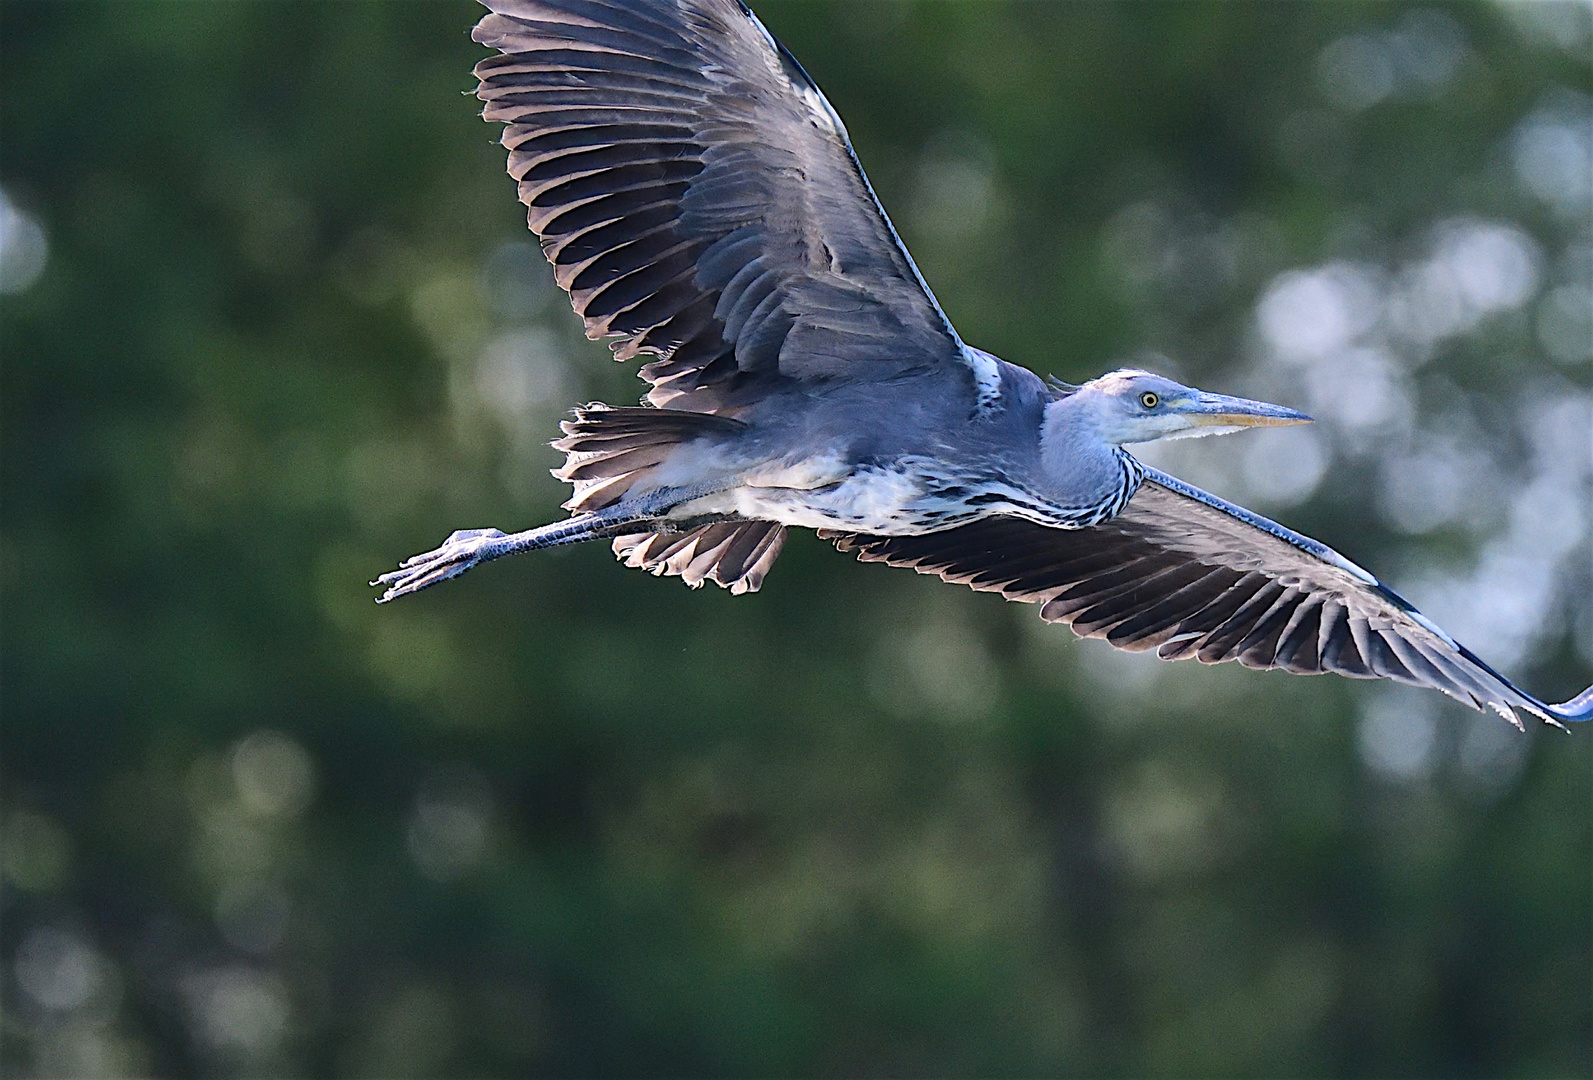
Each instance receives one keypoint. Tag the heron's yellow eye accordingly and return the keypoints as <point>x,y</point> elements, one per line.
<point>1149,400</point>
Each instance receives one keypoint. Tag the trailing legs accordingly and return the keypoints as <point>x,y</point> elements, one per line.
<point>466,548</point>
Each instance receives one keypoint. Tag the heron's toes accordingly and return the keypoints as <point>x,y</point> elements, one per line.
<point>461,539</point>
<point>462,550</point>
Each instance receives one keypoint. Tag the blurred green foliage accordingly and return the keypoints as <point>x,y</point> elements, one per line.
<point>564,819</point>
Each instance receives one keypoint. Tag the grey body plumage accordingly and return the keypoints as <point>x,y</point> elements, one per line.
<point>700,202</point>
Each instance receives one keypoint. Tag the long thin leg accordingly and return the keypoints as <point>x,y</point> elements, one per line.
<point>466,548</point>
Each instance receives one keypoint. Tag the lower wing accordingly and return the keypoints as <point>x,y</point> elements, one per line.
<point>1190,575</point>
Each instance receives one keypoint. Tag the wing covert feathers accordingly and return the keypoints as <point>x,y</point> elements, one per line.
<point>1179,572</point>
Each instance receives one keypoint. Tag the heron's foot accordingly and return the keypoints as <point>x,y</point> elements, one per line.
<point>461,551</point>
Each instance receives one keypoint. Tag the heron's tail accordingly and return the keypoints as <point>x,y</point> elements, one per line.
<point>608,451</point>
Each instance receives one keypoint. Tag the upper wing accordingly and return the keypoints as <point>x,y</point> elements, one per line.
<point>698,196</point>
<point>1188,574</point>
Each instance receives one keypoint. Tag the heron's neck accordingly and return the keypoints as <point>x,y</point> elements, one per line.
<point>1079,467</point>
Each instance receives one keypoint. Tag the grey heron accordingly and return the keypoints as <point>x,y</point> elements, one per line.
<point>701,203</point>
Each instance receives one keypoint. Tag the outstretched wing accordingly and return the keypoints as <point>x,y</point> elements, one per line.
<point>698,198</point>
<point>1190,575</point>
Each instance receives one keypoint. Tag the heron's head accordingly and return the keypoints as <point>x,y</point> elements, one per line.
<point>1131,406</point>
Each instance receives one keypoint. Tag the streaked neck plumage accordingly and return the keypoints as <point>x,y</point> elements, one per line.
<point>1081,468</point>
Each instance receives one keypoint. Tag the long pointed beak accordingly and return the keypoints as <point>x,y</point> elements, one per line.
<point>1220,410</point>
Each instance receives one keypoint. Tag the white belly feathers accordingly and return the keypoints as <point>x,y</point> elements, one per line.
<point>819,493</point>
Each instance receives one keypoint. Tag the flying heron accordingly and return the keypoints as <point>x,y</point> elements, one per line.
<point>701,203</point>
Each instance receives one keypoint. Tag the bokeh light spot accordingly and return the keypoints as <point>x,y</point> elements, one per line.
<point>61,971</point>
<point>449,828</point>
<point>1356,72</point>
<point>1308,315</point>
<point>238,1009</point>
<point>1397,734</point>
<point>275,776</point>
<point>1287,469</point>
<point>24,250</point>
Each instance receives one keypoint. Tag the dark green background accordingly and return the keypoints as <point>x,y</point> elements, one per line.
<point>562,818</point>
